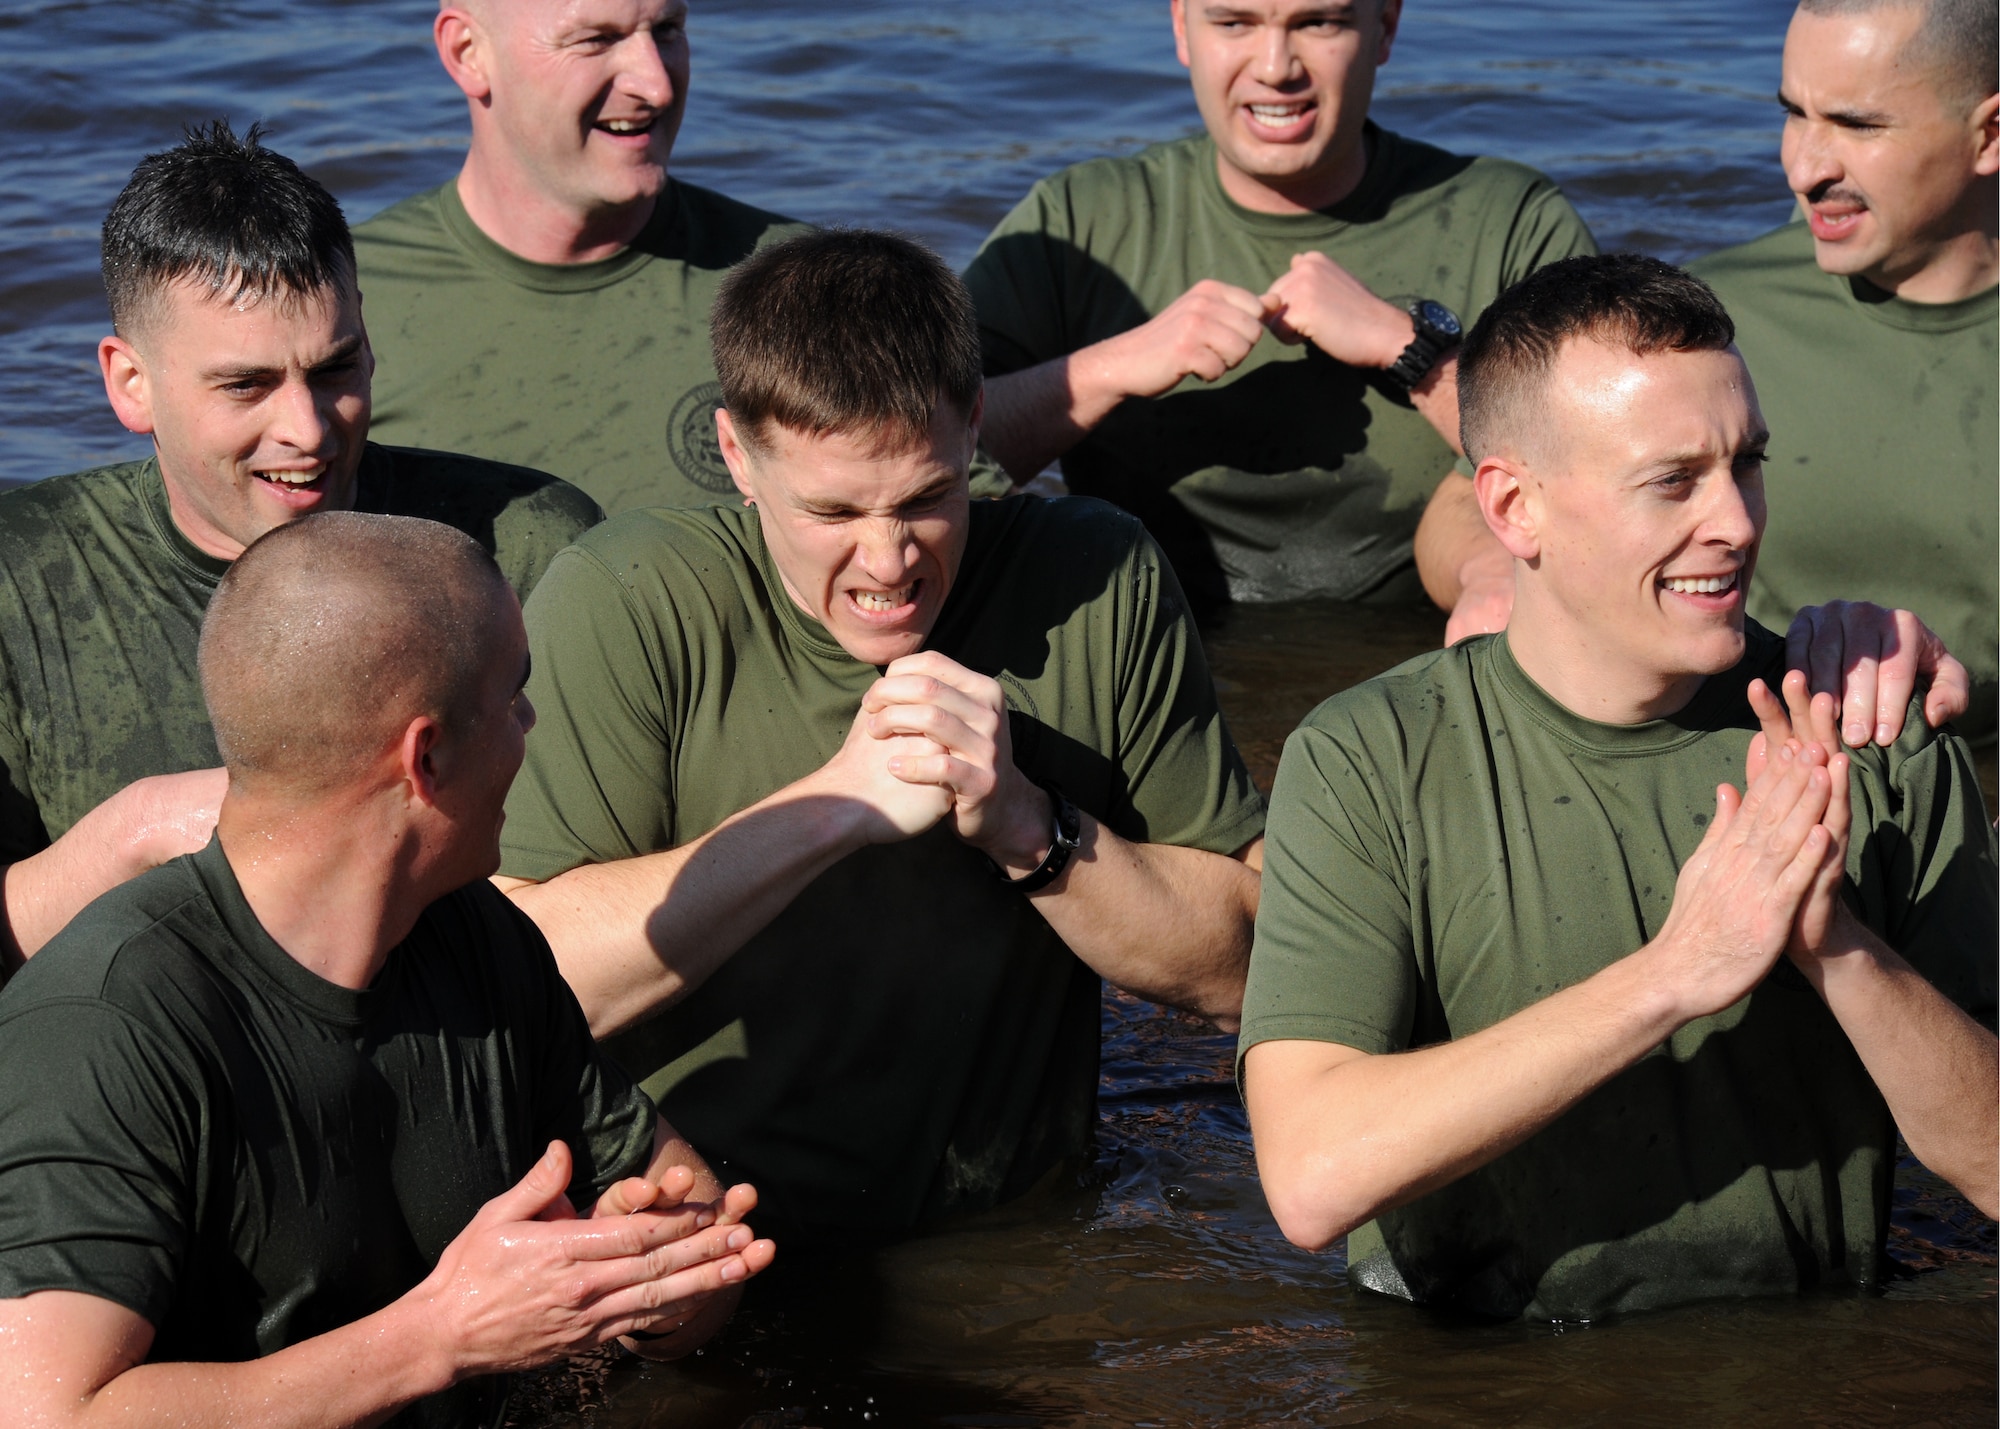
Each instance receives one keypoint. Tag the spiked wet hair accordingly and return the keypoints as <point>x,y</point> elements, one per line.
<point>844,330</point>
<point>226,212</point>
<point>1624,299</point>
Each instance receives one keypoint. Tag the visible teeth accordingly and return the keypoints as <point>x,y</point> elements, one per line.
<point>1701,585</point>
<point>291,478</point>
<point>1277,113</point>
<point>628,126</point>
<point>882,600</point>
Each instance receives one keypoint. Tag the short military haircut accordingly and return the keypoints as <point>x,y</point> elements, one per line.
<point>224,212</point>
<point>1958,39</point>
<point>1620,299</point>
<point>331,633</point>
<point>844,330</point>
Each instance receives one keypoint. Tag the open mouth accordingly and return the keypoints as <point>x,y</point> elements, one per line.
<point>1283,120</point>
<point>1710,586</point>
<point>627,128</point>
<point>294,484</point>
<point>885,605</point>
<point>1831,222</point>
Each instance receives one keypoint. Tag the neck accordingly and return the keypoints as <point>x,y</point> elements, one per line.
<point>1336,176</point>
<point>203,535</point>
<point>525,221</point>
<point>1953,269</point>
<point>331,885</point>
<point>1581,671</point>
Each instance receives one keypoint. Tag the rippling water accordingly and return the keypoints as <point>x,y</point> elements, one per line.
<point>1156,1290</point>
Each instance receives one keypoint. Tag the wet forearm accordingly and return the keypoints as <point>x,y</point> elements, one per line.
<point>1034,416</point>
<point>1938,1069</point>
<point>1436,400</point>
<point>1168,924</point>
<point>638,935</point>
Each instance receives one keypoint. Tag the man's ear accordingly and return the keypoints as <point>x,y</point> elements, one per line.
<point>1509,499</point>
<point>127,385</point>
<point>1179,8</point>
<point>1986,131</point>
<point>733,455</point>
<point>978,414</point>
<point>1392,16</point>
<point>461,45</point>
<point>418,753</point>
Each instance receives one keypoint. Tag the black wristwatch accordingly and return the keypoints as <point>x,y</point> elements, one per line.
<point>1438,332</point>
<point>1068,834</point>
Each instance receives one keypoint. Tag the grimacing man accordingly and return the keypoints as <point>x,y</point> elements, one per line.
<point>1872,322</point>
<point>238,348</point>
<point>288,1122</point>
<point>1544,1015</point>
<point>842,804</point>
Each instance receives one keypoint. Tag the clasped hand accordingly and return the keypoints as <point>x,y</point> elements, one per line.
<point>931,744</point>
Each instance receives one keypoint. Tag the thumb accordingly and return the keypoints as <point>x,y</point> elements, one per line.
<point>530,1197</point>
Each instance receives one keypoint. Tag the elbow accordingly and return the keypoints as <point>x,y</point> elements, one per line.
<point>1312,1210</point>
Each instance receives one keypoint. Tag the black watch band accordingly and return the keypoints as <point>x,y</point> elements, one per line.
<point>1067,835</point>
<point>1437,332</point>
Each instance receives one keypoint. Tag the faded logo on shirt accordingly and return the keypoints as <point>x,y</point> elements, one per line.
<point>691,439</point>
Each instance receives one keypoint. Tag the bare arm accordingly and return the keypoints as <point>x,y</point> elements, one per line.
<point>141,826</point>
<point>1034,416</point>
<point>512,1292</point>
<point>1342,1136</point>
<point>638,935</point>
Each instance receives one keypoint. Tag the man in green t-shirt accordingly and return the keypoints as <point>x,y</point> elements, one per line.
<point>1248,337</point>
<point>549,306</point>
<point>238,347</point>
<point>1541,1018</point>
<point>1871,327</point>
<point>288,1124</point>
<point>840,806</point>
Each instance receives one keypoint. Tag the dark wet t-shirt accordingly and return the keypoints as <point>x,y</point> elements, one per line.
<point>1293,475</point>
<point>1448,845</point>
<point>195,1127</point>
<point>909,1037</point>
<point>101,601</point>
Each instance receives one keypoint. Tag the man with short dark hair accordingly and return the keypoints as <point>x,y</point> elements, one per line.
<point>549,305</point>
<point>1873,325</point>
<point>840,806</point>
<point>288,1123</point>
<point>1125,306</point>
<point>239,349</point>
<point>1541,1018</point>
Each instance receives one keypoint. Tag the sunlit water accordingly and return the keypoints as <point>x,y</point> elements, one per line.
<point>1153,1289</point>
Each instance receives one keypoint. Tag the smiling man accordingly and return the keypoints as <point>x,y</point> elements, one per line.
<point>1544,1016</point>
<point>549,305</point>
<point>841,806</point>
<point>1248,338</point>
<point>239,349</point>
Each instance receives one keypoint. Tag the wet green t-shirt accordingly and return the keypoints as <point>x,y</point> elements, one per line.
<point>195,1127</point>
<point>1294,475</point>
<point>909,1037</point>
<point>1448,845</point>
<point>1884,475</point>
<point>599,372</point>
<point>101,600</point>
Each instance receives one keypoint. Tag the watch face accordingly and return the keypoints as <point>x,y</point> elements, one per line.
<point>1438,316</point>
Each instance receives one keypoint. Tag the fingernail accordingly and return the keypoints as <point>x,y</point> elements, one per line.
<point>703,1220</point>
<point>739,1238</point>
<point>1856,732</point>
<point>1883,735</point>
<point>732,1270</point>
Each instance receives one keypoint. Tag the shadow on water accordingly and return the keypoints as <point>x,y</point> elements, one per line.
<point>1152,1287</point>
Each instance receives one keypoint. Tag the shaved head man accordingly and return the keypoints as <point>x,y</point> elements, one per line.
<point>317,1094</point>
<point>550,304</point>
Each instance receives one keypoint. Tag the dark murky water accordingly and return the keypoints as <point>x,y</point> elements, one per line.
<point>1155,1290</point>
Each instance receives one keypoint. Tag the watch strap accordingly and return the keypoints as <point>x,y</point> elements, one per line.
<point>1064,840</point>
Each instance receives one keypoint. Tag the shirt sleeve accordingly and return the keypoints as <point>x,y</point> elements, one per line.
<point>1185,782</point>
<point>1922,865</point>
<point>99,1138</point>
<point>1334,957</point>
<point>597,783</point>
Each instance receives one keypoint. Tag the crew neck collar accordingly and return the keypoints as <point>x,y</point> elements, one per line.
<point>556,277</point>
<point>1882,306</point>
<point>1715,704</point>
<point>160,516</point>
<point>1359,206</point>
<point>326,1001</point>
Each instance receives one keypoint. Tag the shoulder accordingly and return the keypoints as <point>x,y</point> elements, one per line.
<point>1496,186</point>
<point>415,222</point>
<point>660,564</point>
<point>1083,528</point>
<point>1782,256</point>
<point>1126,185</point>
<point>471,492</point>
<point>1378,717</point>
<point>60,507</point>
<point>500,944</point>
<point>715,220</point>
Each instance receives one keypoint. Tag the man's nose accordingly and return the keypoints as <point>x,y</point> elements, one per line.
<point>1277,57</point>
<point>644,73</point>
<point>1809,160</point>
<point>302,419</point>
<point>1735,515</point>
<point>887,551</point>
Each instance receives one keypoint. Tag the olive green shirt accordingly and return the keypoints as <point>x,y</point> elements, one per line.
<point>1293,475</point>
<point>101,601</point>
<point>909,1037</point>
<point>195,1127</point>
<point>1884,471</point>
<point>1448,845</point>
<point>599,372</point>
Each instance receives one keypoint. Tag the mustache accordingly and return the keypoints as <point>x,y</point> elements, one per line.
<point>1832,192</point>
